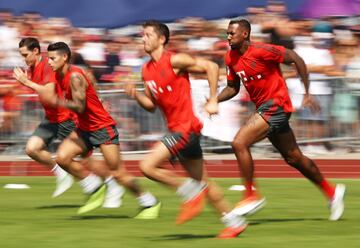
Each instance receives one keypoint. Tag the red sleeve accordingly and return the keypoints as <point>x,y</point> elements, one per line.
<point>272,52</point>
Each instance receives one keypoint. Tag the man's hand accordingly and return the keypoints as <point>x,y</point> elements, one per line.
<point>130,90</point>
<point>310,102</point>
<point>21,76</point>
<point>211,106</point>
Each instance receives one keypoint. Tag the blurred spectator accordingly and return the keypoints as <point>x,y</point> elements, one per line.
<point>112,58</point>
<point>11,106</point>
<point>317,55</point>
<point>278,25</point>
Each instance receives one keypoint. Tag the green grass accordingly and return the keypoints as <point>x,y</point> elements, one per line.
<point>295,216</point>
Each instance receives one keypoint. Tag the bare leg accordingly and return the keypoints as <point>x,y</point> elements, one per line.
<point>35,149</point>
<point>254,130</point>
<point>113,160</point>
<point>215,194</point>
<point>67,151</point>
<point>288,148</point>
<point>150,166</point>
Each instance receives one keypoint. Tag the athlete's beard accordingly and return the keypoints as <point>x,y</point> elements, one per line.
<point>234,47</point>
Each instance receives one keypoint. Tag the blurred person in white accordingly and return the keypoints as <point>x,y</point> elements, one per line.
<point>78,59</point>
<point>346,109</point>
<point>93,51</point>
<point>227,122</point>
<point>9,36</point>
<point>203,36</point>
<point>353,66</point>
<point>315,51</point>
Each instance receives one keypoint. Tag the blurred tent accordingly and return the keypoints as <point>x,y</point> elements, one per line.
<point>119,13</point>
<point>328,8</point>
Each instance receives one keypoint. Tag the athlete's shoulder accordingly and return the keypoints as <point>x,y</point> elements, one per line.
<point>231,56</point>
<point>145,66</point>
<point>75,69</point>
<point>266,47</point>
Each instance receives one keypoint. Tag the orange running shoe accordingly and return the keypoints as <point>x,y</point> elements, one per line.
<point>193,207</point>
<point>232,232</point>
<point>249,205</point>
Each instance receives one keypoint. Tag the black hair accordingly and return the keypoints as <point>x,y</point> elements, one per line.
<point>30,43</point>
<point>160,29</point>
<point>243,23</point>
<point>60,47</point>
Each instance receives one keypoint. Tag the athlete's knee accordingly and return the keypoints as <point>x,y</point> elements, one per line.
<point>31,151</point>
<point>239,145</point>
<point>63,159</point>
<point>146,169</point>
<point>293,158</point>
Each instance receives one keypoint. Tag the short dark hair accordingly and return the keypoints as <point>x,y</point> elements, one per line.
<point>160,29</point>
<point>243,23</point>
<point>61,47</point>
<point>30,43</point>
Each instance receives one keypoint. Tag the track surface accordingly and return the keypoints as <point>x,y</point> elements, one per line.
<point>264,168</point>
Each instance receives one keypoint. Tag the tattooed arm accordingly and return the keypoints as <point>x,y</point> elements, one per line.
<point>78,86</point>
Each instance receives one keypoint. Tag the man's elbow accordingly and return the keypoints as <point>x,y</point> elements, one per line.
<point>213,66</point>
<point>151,109</point>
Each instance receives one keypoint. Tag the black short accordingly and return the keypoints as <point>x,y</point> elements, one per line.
<point>183,146</point>
<point>106,135</point>
<point>49,131</point>
<point>275,116</point>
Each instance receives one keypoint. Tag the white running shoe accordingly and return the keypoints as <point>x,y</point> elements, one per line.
<point>63,184</point>
<point>113,198</point>
<point>337,202</point>
<point>249,205</point>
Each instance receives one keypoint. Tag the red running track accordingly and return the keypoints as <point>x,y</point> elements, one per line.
<point>264,168</point>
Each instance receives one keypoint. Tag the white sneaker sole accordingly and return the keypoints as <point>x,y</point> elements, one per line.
<point>251,208</point>
<point>63,186</point>
<point>337,206</point>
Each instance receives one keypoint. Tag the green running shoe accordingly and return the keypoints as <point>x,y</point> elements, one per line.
<point>95,200</point>
<point>149,213</point>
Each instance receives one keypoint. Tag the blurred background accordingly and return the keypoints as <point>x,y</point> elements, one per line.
<point>106,41</point>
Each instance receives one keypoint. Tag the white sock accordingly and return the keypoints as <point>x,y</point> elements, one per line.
<point>90,183</point>
<point>58,171</point>
<point>190,188</point>
<point>147,200</point>
<point>112,184</point>
<point>232,220</point>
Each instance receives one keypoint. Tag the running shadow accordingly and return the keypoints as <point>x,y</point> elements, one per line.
<point>97,217</point>
<point>264,221</point>
<point>58,206</point>
<point>183,236</point>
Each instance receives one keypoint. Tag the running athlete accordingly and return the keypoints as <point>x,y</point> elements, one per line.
<point>57,124</point>
<point>96,128</point>
<point>256,65</point>
<point>167,86</point>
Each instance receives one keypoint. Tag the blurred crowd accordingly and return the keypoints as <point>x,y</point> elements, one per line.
<point>329,46</point>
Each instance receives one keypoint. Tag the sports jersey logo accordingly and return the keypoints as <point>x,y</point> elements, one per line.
<point>155,90</point>
<point>245,79</point>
